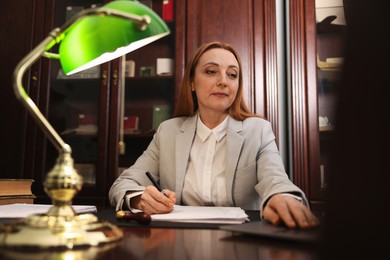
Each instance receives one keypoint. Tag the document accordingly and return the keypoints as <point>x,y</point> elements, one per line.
<point>204,214</point>
<point>20,210</point>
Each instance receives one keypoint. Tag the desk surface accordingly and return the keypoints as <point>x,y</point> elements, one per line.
<point>180,244</point>
<point>145,242</point>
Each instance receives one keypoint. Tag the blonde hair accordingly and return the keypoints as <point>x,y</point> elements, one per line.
<point>187,104</point>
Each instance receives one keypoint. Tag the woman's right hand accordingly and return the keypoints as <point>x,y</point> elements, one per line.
<point>151,201</point>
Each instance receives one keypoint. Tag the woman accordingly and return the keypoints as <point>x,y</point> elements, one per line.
<point>214,152</point>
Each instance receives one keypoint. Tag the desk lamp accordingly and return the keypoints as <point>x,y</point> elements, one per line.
<point>91,37</point>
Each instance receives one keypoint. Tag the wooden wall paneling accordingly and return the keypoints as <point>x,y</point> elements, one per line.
<point>180,44</point>
<point>114,121</point>
<point>230,22</point>
<point>40,93</point>
<point>312,102</point>
<point>22,33</point>
<point>107,89</point>
<point>266,86</point>
<point>304,108</point>
<point>16,40</point>
<point>242,24</point>
<point>298,94</point>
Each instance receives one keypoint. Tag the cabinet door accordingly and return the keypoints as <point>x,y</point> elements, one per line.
<point>250,26</point>
<point>21,28</point>
<point>142,93</point>
<point>317,48</point>
<point>77,108</point>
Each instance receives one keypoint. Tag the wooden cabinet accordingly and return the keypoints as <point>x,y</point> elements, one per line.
<point>314,81</point>
<point>24,24</point>
<point>98,100</point>
<point>83,108</point>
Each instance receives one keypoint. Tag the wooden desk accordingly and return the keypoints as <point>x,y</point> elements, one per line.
<point>180,244</point>
<point>143,242</point>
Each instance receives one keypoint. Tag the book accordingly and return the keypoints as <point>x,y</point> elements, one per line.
<point>91,73</point>
<point>131,122</point>
<point>81,130</point>
<point>22,199</point>
<point>9,187</point>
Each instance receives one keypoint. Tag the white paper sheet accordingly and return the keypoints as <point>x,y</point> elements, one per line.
<point>204,214</point>
<point>20,210</point>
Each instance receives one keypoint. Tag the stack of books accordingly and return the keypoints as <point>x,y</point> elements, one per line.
<point>16,191</point>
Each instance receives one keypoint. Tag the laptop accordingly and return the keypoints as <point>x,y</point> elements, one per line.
<point>267,230</point>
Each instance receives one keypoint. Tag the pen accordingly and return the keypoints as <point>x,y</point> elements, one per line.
<point>155,184</point>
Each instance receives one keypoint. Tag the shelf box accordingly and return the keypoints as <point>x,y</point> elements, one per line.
<point>87,171</point>
<point>167,10</point>
<point>160,114</point>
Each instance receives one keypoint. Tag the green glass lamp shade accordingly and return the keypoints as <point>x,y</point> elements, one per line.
<point>96,39</point>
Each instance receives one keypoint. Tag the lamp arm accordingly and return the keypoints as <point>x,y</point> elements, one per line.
<point>23,97</point>
<point>142,21</point>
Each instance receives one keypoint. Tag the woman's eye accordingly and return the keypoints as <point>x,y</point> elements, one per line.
<point>232,75</point>
<point>210,72</point>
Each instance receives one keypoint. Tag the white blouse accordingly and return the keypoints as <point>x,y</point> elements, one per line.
<point>204,183</point>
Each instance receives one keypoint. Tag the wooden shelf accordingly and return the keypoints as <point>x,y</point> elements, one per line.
<point>327,128</point>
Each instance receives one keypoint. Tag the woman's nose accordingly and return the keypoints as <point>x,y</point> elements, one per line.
<point>222,80</point>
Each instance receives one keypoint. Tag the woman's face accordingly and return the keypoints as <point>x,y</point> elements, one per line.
<point>216,80</point>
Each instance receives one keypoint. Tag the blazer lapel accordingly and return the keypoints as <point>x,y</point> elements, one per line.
<point>183,146</point>
<point>234,142</point>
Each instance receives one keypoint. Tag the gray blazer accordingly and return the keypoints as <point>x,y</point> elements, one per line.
<point>254,168</point>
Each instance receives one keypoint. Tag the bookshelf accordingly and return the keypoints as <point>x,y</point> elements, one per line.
<point>318,31</point>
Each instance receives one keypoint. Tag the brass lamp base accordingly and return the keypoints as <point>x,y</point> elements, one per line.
<point>61,227</point>
<point>49,232</point>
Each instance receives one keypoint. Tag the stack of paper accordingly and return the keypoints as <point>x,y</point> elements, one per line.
<point>204,214</point>
<point>20,210</point>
